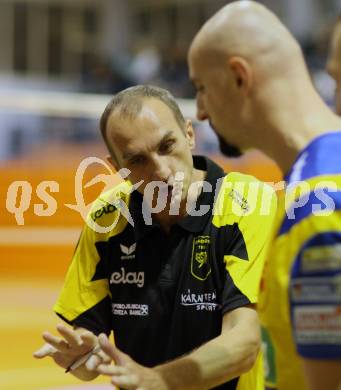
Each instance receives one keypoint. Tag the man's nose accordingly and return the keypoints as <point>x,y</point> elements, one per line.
<point>201,111</point>
<point>160,168</point>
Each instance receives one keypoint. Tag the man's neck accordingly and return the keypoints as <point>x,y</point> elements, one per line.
<point>292,128</point>
<point>285,151</point>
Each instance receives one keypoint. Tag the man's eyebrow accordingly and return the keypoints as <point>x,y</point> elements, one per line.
<point>129,155</point>
<point>167,135</point>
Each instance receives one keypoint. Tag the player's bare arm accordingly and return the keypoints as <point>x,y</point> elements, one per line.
<point>223,358</point>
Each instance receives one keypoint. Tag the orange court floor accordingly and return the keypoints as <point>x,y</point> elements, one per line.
<point>25,313</point>
<point>34,258</point>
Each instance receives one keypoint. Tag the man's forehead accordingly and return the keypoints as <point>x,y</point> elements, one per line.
<point>337,39</point>
<point>201,41</point>
<point>147,122</point>
<point>195,68</point>
<point>150,107</point>
<point>334,57</point>
<point>122,118</point>
<point>195,53</point>
<point>202,60</point>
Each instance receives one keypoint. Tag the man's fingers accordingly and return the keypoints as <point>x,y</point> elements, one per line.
<point>106,346</point>
<point>93,362</point>
<point>45,350</point>
<point>89,339</point>
<point>118,356</point>
<point>109,370</point>
<point>97,359</point>
<point>104,357</point>
<point>55,341</point>
<point>69,335</point>
<point>127,381</point>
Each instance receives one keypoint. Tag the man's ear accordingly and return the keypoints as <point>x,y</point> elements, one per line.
<point>113,162</point>
<point>242,74</point>
<point>190,134</point>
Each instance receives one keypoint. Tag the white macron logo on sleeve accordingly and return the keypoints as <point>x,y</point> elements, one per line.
<point>128,251</point>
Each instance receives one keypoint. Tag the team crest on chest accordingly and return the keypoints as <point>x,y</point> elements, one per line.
<point>200,261</point>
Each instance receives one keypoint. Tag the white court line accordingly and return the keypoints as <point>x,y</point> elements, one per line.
<point>39,235</point>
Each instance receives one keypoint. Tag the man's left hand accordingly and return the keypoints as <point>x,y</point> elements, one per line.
<point>126,373</point>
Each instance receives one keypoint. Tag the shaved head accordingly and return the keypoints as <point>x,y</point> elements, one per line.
<point>246,29</point>
<point>250,76</point>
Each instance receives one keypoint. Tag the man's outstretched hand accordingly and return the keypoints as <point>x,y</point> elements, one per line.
<point>71,345</point>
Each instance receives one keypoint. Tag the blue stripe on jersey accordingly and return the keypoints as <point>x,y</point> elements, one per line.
<point>326,239</point>
<point>321,200</point>
<point>315,301</point>
<point>323,157</point>
<point>323,352</point>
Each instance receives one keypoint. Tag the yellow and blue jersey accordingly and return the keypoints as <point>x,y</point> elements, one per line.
<point>300,299</point>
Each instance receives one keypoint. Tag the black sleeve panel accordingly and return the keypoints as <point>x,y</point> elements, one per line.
<point>96,319</point>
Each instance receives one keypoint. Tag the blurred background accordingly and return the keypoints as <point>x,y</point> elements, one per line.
<point>60,60</point>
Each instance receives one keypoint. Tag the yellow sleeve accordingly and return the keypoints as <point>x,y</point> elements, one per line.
<point>86,283</point>
<point>250,206</point>
<point>80,292</point>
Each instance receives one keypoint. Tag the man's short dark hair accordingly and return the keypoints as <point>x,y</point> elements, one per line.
<point>130,101</point>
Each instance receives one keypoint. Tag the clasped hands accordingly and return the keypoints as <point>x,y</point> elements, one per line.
<point>72,344</point>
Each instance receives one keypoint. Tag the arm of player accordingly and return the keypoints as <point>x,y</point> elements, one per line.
<point>225,357</point>
<point>322,374</point>
<point>73,344</point>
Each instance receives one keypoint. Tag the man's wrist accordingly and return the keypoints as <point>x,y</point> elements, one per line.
<point>179,374</point>
<point>164,375</point>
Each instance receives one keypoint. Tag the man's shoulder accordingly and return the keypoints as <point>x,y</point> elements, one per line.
<point>321,158</point>
<point>241,195</point>
<point>235,177</point>
<point>108,204</point>
<point>236,185</point>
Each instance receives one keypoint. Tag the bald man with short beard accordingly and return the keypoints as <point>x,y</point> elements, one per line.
<point>254,88</point>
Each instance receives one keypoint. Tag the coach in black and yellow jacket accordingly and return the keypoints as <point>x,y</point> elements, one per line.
<point>176,285</point>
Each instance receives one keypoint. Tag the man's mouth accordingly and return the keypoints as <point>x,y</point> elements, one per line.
<point>171,193</point>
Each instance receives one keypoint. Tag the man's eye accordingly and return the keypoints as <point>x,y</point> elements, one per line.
<point>136,160</point>
<point>167,146</point>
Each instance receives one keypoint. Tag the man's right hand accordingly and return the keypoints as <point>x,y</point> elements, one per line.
<point>73,344</point>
